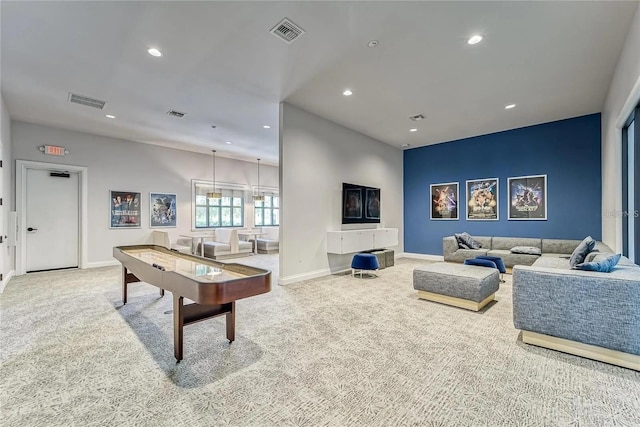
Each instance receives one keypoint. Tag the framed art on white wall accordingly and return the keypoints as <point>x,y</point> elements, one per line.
<point>162,210</point>
<point>125,209</point>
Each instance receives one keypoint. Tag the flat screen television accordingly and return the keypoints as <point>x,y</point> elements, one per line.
<point>360,204</point>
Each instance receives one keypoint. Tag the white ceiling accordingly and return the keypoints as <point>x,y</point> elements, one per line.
<point>222,67</point>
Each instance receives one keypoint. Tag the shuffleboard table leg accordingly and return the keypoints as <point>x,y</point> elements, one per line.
<point>124,285</point>
<point>178,325</point>
<point>231,323</point>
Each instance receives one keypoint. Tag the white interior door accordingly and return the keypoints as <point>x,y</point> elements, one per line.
<point>52,220</point>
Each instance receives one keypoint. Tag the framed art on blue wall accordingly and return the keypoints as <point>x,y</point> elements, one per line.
<point>444,201</point>
<point>482,199</point>
<point>162,210</point>
<point>528,197</point>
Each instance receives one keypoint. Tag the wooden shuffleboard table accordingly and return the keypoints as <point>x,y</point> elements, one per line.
<point>213,287</point>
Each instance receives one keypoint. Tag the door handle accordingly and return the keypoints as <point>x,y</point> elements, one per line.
<point>32,229</point>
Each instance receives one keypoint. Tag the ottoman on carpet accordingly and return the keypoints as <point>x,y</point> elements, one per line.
<point>465,286</point>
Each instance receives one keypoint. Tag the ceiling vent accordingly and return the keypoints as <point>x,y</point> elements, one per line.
<point>175,113</point>
<point>287,30</point>
<point>417,117</point>
<point>85,100</point>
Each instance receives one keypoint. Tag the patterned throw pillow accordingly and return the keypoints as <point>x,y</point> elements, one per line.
<point>579,253</point>
<point>604,266</point>
<point>466,239</point>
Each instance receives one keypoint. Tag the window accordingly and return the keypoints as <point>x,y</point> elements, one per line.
<point>267,212</point>
<point>631,187</point>
<point>227,211</point>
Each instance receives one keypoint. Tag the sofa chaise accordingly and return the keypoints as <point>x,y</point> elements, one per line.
<point>226,244</point>
<point>586,313</point>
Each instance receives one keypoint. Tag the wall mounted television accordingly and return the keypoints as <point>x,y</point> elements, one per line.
<point>360,204</point>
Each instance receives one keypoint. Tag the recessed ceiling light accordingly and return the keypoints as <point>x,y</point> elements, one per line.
<point>266,127</point>
<point>475,39</point>
<point>227,142</point>
<point>510,106</point>
<point>413,130</point>
<point>405,145</point>
<point>154,52</point>
<point>373,43</point>
<point>110,116</point>
<point>347,93</point>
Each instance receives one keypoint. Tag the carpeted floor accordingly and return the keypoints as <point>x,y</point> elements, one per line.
<point>335,351</point>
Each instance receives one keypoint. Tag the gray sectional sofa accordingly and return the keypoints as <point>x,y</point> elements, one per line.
<point>587,313</point>
<point>501,247</point>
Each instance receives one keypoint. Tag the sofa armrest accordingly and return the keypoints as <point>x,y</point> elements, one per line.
<point>594,308</point>
<point>449,246</point>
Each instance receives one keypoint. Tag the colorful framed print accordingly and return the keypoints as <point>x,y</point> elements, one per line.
<point>528,197</point>
<point>444,201</point>
<point>482,199</point>
<point>162,210</point>
<point>125,209</point>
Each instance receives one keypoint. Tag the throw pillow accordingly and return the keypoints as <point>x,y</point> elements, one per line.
<point>529,250</point>
<point>463,246</point>
<point>466,239</point>
<point>579,253</point>
<point>604,266</point>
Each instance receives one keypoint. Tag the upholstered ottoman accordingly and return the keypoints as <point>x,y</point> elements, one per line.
<point>465,286</point>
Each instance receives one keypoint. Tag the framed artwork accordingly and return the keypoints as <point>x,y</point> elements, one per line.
<point>482,199</point>
<point>444,201</point>
<point>372,203</point>
<point>162,210</point>
<point>528,197</point>
<point>125,209</point>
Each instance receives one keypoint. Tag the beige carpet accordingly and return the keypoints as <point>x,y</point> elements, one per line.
<point>336,351</point>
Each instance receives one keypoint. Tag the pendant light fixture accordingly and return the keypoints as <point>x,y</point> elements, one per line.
<point>257,197</point>
<point>214,194</point>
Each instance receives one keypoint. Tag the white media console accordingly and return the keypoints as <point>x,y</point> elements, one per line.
<point>350,241</point>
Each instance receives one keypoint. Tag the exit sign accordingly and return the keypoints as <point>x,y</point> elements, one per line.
<point>53,150</point>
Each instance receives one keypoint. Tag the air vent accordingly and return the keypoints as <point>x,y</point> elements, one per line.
<point>175,113</point>
<point>85,100</point>
<point>417,117</point>
<point>287,30</point>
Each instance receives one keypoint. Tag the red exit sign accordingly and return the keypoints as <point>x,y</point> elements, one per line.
<point>54,150</point>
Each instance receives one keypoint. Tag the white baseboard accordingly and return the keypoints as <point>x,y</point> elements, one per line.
<point>425,257</point>
<point>283,281</point>
<point>102,264</point>
<point>5,280</point>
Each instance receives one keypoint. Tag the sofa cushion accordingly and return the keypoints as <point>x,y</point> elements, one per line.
<point>461,254</point>
<point>559,246</point>
<point>510,259</point>
<point>466,239</point>
<point>530,250</point>
<point>579,254</point>
<point>604,266</point>
<point>506,243</point>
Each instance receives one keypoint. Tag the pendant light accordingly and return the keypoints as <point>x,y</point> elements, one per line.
<point>257,197</point>
<point>214,194</point>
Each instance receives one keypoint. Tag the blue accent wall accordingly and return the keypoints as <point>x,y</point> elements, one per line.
<point>567,151</point>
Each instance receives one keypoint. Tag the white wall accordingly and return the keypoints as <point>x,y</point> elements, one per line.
<point>316,157</point>
<point>7,263</point>
<point>121,165</point>
<point>624,93</point>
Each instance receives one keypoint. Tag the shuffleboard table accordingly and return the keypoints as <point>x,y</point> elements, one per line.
<point>213,286</point>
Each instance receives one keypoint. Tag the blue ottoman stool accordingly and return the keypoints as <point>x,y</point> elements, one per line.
<point>364,262</point>
<point>499,264</point>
